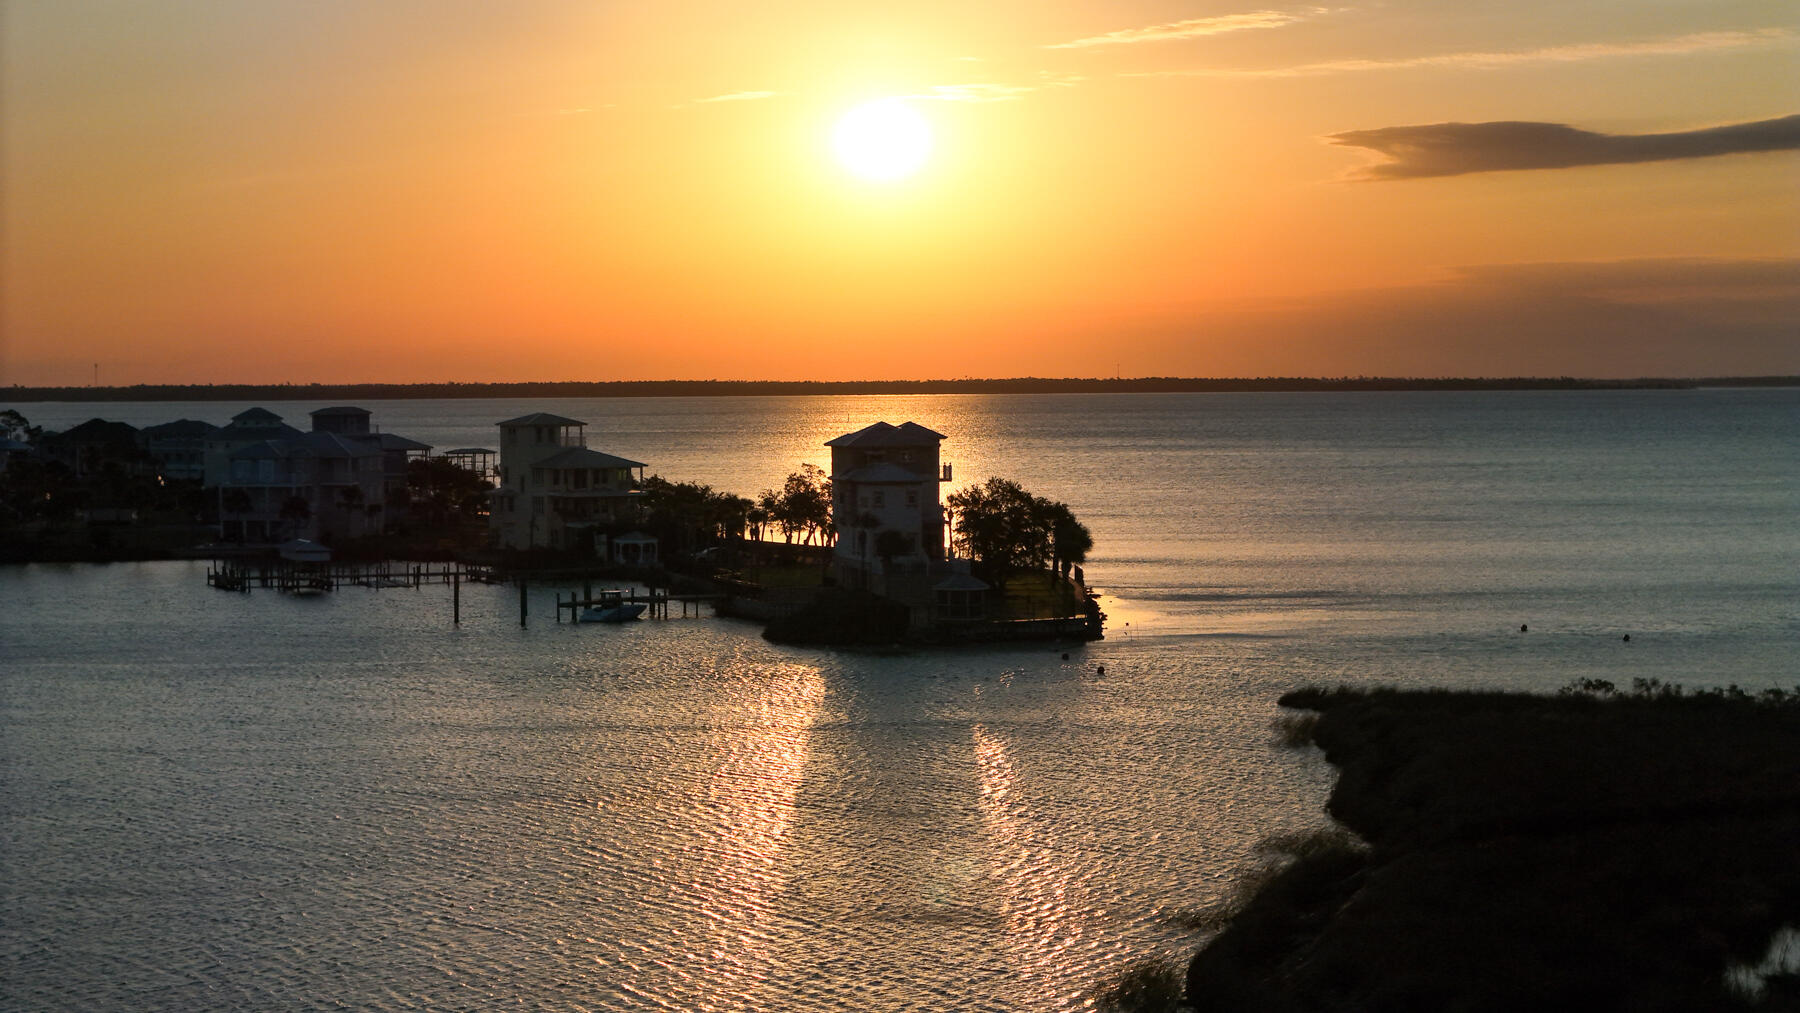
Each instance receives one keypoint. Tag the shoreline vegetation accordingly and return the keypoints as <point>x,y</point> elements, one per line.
<point>348,392</point>
<point>1595,850</point>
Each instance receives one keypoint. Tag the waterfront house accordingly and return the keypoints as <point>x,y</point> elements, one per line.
<point>890,523</point>
<point>10,448</point>
<point>179,447</point>
<point>252,425</point>
<point>555,492</point>
<point>313,485</point>
<point>336,481</point>
<point>885,478</point>
<point>98,445</point>
<point>396,451</point>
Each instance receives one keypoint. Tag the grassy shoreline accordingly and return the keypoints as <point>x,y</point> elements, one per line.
<point>1592,850</point>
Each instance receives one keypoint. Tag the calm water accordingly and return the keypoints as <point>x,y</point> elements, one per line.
<point>222,801</point>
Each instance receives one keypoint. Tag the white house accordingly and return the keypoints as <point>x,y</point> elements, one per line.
<point>885,478</point>
<point>556,493</point>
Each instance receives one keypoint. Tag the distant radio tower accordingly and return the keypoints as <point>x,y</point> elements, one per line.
<point>96,374</point>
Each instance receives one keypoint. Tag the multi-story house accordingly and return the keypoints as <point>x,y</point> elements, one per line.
<point>890,523</point>
<point>313,486</point>
<point>252,425</point>
<point>275,482</point>
<point>556,493</point>
<point>179,447</point>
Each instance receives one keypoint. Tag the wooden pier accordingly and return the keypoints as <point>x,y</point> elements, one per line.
<point>658,602</point>
<point>291,576</point>
<point>301,577</point>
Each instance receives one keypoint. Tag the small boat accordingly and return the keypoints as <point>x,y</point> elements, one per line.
<point>611,607</point>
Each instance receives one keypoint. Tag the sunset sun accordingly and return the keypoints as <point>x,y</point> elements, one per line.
<point>882,141</point>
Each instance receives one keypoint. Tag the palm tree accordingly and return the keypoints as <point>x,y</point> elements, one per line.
<point>234,501</point>
<point>350,498</point>
<point>888,544</point>
<point>295,510</point>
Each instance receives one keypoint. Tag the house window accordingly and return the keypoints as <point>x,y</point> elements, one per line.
<point>912,497</point>
<point>880,498</point>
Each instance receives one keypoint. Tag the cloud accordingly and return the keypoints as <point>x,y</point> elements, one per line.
<point>1647,281</point>
<point>981,92</point>
<point>739,96</point>
<point>1193,28</point>
<point>1452,149</point>
<point>1628,318</point>
<point>1680,45</point>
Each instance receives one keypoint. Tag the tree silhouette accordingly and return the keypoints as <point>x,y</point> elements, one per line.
<point>295,512</point>
<point>1005,529</point>
<point>236,501</point>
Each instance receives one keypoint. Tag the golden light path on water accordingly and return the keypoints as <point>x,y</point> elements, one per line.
<point>760,766</point>
<point>735,868</point>
<point>1043,905</point>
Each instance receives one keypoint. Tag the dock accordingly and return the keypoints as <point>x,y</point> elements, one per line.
<point>658,602</point>
<point>308,577</point>
<point>288,575</point>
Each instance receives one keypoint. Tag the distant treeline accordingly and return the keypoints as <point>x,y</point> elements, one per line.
<point>352,392</point>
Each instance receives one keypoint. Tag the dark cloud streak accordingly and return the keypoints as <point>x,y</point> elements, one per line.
<point>1454,149</point>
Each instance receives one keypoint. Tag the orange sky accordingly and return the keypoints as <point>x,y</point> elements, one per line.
<point>344,191</point>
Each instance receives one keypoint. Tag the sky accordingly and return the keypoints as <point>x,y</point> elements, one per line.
<point>338,191</point>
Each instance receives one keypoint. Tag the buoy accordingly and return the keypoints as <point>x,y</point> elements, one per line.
<point>1100,670</point>
<point>1522,627</point>
<point>1065,655</point>
<point>1627,638</point>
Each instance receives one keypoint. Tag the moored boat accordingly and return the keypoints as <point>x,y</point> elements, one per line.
<point>610,606</point>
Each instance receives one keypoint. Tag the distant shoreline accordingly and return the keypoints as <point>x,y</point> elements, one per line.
<point>805,388</point>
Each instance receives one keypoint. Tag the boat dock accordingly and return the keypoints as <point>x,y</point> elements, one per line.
<point>307,577</point>
<point>291,576</point>
<point>657,600</point>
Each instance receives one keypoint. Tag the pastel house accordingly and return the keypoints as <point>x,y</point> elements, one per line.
<point>555,492</point>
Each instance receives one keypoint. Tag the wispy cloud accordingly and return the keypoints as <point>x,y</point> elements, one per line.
<point>1681,45</point>
<point>1192,28</point>
<point>979,92</point>
<point>739,96</point>
<point>1454,149</point>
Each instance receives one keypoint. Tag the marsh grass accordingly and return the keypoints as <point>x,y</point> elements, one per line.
<point>1597,849</point>
<point>1148,986</point>
<point>1295,731</point>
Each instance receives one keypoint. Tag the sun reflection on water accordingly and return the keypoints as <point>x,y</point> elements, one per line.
<point>746,810</point>
<point>1044,906</point>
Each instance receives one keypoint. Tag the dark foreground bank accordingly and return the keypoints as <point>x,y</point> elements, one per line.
<point>1593,851</point>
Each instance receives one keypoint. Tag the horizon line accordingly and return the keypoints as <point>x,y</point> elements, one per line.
<point>729,388</point>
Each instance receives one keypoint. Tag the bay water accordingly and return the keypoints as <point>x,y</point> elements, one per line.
<point>225,801</point>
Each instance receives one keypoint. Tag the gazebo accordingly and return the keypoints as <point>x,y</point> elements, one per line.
<point>960,596</point>
<point>634,549</point>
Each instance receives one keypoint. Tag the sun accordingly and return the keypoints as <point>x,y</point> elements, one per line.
<point>882,141</point>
